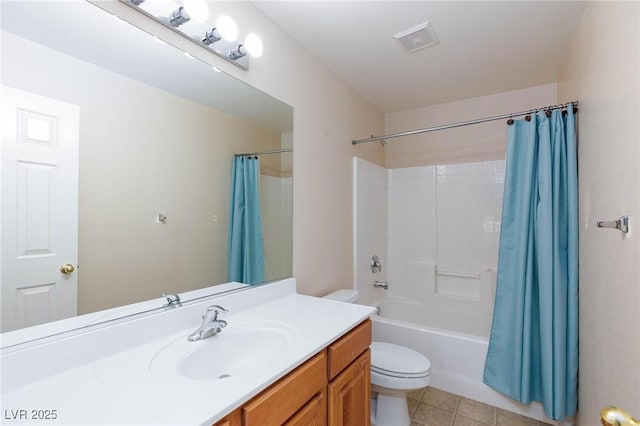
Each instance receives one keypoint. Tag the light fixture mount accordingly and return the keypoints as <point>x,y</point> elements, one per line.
<point>212,41</point>
<point>178,17</point>
<point>211,37</point>
<point>237,52</point>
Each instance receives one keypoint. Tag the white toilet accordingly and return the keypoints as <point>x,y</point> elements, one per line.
<point>395,370</point>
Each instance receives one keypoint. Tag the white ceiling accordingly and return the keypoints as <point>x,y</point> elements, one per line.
<point>485,47</point>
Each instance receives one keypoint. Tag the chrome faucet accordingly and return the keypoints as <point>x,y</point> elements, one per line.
<point>381,284</point>
<point>173,300</point>
<point>211,325</point>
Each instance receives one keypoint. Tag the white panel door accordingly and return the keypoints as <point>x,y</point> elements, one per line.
<point>39,211</point>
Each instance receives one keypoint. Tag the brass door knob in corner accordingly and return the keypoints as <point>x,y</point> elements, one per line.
<point>614,416</point>
<point>67,269</point>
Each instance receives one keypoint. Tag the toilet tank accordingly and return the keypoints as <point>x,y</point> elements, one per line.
<point>344,295</point>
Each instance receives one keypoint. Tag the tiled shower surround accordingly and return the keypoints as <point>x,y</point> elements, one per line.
<point>436,230</point>
<point>276,206</point>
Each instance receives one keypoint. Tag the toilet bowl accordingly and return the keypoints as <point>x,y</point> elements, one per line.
<point>395,370</point>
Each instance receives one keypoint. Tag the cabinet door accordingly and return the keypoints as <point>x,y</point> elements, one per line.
<point>285,398</point>
<point>350,394</point>
<point>233,419</point>
<point>312,414</point>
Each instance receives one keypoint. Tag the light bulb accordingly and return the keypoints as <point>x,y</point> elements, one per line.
<point>253,45</point>
<point>227,28</point>
<point>196,9</point>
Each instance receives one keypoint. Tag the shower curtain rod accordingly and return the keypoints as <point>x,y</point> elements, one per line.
<point>462,123</point>
<point>273,151</point>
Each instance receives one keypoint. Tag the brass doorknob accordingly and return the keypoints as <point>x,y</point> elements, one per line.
<point>67,269</point>
<point>614,416</point>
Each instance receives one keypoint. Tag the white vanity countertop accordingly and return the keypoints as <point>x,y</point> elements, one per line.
<point>121,387</point>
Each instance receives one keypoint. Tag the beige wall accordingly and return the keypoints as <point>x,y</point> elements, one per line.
<point>602,72</point>
<point>328,114</point>
<point>480,142</point>
<point>142,151</point>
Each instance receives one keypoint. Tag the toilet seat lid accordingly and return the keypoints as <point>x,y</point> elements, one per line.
<point>398,361</point>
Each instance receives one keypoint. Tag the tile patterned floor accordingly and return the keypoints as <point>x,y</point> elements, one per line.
<point>434,407</point>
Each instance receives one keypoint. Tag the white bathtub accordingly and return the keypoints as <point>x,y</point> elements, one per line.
<point>457,359</point>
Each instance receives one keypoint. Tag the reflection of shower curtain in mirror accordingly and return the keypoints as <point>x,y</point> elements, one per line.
<point>246,257</point>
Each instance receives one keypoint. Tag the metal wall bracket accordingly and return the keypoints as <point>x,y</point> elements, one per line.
<point>621,224</point>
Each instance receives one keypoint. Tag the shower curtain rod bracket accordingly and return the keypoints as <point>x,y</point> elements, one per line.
<point>382,142</point>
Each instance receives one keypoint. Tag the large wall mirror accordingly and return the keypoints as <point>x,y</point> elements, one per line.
<point>152,134</point>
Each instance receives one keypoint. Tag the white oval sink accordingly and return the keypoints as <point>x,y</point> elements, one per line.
<point>241,348</point>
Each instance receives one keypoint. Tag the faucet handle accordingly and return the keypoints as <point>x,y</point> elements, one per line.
<point>217,308</point>
<point>214,310</point>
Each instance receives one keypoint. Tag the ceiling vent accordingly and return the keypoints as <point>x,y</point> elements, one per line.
<point>418,37</point>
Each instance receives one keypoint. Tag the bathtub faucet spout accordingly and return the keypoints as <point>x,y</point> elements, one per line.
<point>381,284</point>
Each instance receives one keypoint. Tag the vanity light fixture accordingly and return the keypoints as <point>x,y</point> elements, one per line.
<point>211,37</point>
<point>196,9</point>
<point>237,52</point>
<point>178,17</point>
<point>253,45</point>
<point>227,28</point>
<point>220,39</point>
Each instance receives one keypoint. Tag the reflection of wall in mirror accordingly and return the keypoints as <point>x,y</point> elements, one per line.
<point>142,152</point>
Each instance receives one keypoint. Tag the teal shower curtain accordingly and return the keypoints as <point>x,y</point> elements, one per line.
<point>533,347</point>
<point>246,257</point>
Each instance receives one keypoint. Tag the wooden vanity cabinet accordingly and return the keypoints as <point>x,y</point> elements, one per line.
<point>349,370</point>
<point>333,388</point>
<point>233,419</point>
<point>350,394</point>
<point>290,395</point>
<point>314,413</point>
